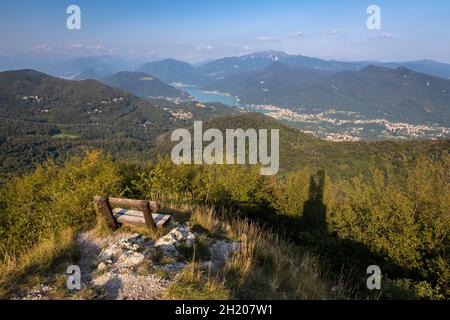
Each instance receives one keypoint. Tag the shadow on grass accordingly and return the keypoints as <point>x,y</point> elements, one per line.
<point>309,230</point>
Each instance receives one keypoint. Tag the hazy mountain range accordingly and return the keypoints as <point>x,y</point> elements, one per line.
<point>171,70</point>
<point>415,91</point>
<point>399,94</point>
<point>226,67</point>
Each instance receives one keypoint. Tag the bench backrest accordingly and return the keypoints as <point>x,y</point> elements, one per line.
<point>147,207</point>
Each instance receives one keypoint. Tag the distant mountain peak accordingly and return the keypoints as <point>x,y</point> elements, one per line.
<point>271,52</point>
<point>277,65</point>
<point>269,55</point>
<point>27,73</point>
<point>173,61</point>
<point>375,69</point>
<point>402,68</point>
<point>171,70</point>
<point>143,85</point>
<point>89,73</point>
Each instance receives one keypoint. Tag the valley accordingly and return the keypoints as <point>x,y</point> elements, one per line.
<point>332,125</point>
<point>348,138</point>
<point>209,96</point>
<point>337,126</point>
<point>333,100</point>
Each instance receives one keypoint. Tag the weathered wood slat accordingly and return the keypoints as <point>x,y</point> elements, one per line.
<point>126,219</point>
<point>161,219</point>
<point>127,216</point>
<point>128,212</point>
<point>135,204</point>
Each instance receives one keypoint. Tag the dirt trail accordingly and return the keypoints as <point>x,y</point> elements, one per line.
<point>119,279</point>
<point>133,267</point>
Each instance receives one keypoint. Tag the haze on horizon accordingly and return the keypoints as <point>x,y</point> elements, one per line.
<point>200,30</point>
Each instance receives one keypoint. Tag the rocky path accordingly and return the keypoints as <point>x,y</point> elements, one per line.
<point>130,266</point>
<point>121,265</point>
<point>134,267</point>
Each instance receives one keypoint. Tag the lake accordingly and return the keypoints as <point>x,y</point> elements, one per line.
<point>210,96</point>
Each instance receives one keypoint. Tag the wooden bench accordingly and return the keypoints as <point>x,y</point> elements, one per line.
<point>119,211</point>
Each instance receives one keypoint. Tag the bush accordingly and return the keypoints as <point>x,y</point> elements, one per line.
<point>293,193</point>
<point>401,216</point>
<point>52,198</point>
<point>406,289</point>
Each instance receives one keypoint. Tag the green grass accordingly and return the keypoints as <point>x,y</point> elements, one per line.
<point>66,136</point>
<point>195,284</point>
<point>199,251</point>
<point>264,267</point>
<point>45,263</point>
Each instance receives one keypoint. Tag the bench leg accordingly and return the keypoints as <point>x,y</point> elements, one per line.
<point>106,210</point>
<point>148,216</point>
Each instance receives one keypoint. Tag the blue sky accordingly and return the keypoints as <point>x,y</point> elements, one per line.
<point>198,30</point>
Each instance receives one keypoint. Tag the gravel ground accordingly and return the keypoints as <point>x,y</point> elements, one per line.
<point>122,265</point>
<point>116,282</point>
<point>131,287</point>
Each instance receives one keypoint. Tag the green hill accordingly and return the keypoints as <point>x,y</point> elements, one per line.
<point>34,96</point>
<point>340,159</point>
<point>400,94</point>
<point>143,85</point>
<point>277,84</point>
<point>170,70</point>
<point>46,117</point>
<point>43,117</point>
<point>87,74</point>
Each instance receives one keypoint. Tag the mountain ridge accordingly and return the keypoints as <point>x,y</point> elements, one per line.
<point>228,66</point>
<point>171,70</point>
<point>143,85</point>
<point>56,99</point>
<point>400,94</point>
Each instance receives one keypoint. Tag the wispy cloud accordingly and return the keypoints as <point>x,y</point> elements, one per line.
<point>386,35</point>
<point>205,48</point>
<point>333,32</point>
<point>100,47</point>
<point>297,35</point>
<point>267,39</point>
<point>42,47</point>
<point>75,46</point>
<point>93,48</point>
<point>383,36</point>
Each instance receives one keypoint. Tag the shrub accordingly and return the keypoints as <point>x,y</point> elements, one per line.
<point>401,216</point>
<point>293,193</point>
<point>37,205</point>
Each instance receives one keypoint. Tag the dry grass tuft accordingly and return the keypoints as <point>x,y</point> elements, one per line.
<point>37,265</point>
<point>265,267</point>
<point>195,284</point>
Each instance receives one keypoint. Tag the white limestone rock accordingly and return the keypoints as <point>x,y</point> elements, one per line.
<point>130,259</point>
<point>109,253</point>
<point>176,236</point>
<point>221,251</point>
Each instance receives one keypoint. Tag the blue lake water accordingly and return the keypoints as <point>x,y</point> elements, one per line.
<point>208,96</point>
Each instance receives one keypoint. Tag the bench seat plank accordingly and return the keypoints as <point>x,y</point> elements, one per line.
<point>127,216</point>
